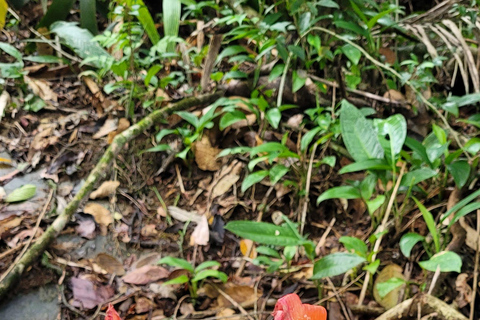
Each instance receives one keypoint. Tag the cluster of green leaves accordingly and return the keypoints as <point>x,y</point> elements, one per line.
<point>207,269</point>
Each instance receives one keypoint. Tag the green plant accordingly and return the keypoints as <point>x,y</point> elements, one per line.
<point>195,274</point>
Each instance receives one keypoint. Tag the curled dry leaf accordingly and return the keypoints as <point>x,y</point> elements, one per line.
<point>184,215</point>
<point>464,296</point>
<point>41,88</point>
<point>143,304</point>
<point>225,183</point>
<point>145,274</point>
<point>106,189</point>
<point>206,155</point>
<point>101,214</point>
<point>109,126</point>
<point>201,234</point>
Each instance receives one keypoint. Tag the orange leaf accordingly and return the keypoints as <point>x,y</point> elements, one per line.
<point>290,307</point>
<point>111,313</point>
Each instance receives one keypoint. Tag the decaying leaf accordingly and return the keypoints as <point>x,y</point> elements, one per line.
<point>245,246</point>
<point>88,295</point>
<point>390,300</point>
<point>206,155</point>
<point>145,274</point>
<point>109,126</point>
<point>41,88</point>
<point>243,295</point>
<point>101,214</point>
<point>184,215</point>
<point>225,183</point>
<point>394,95</point>
<point>228,313</point>
<point>143,304</point>
<point>464,296</point>
<point>200,235</point>
<point>106,189</point>
<point>111,313</point>
<point>110,264</point>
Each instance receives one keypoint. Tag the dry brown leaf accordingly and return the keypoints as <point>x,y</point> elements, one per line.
<point>109,126</point>
<point>145,274</point>
<point>149,230</point>
<point>464,296</point>
<point>101,214</point>
<point>43,48</point>
<point>184,215</point>
<point>206,155</point>
<point>472,235</point>
<point>106,189</point>
<point>10,222</point>
<point>4,99</point>
<point>186,308</point>
<point>110,264</point>
<point>201,234</point>
<point>88,295</point>
<point>41,88</point>
<point>228,313</point>
<point>392,298</point>
<point>143,305</point>
<point>225,183</point>
<point>249,121</point>
<point>243,295</point>
<point>394,95</point>
<point>389,55</point>
<point>295,121</point>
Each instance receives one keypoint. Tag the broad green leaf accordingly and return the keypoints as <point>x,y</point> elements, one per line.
<point>355,244</point>
<point>343,192</point>
<point>298,81</point>
<point>253,178</point>
<point>88,15</point>
<point>150,73</point>
<point>465,100</point>
<point>268,251</point>
<point>298,52</point>
<point>277,172</point>
<point>177,262</point>
<point>465,210</point>
<point>264,233</point>
<point>367,186</point>
<point>210,273</point>
<point>269,147</point>
<point>335,264</point>
<point>231,51</point>
<point>230,118</point>
<point>416,176</point>
<point>43,59</point>
<point>408,241</point>
<point>80,40</point>
<point>274,116</point>
<point>23,193</point>
<point>460,171</point>
<point>147,22</point>
<point>460,204</point>
<point>374,204</point>
<point>328,4</point>
<point>386,287</point>
<point>358,134</point>
<point>427,216</point>
<point>171,20</point>
<point>57,11</point>
<point>396,129</point>
<point>308,137</point>
<point>472,146</point>
<point>372,267</point>
<point>370,164</point>
<point>206,265</point>
<point>11,50</point>
<point>419,149</point>
<point>352,53</point>
<point>189,117</point>
<point>448,261</point>
<point>276,72</point>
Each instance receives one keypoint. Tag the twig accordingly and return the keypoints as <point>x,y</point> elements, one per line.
<point>97,173</point>
<point>307,189</point>
<point>322,240</point>
<point>475,271</point>
<point>434,280</point>
<point>335,292</point>
<point>380,229</point>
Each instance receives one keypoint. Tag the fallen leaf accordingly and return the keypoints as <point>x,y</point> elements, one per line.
<point>245,246</point>
<point>41,88</point>
<point>464,296</point>
<point>184,215</point>
<point>4,99</point>
<point>206,155</point>
<point>243,295</point>
<point>145,274</point>
<point>143,304</point>
<point>200,235</point>
<point>186,308</point>
<point>149,230</point>
<point>109,126</point>
<point>101,214</point>
<point>86,228</point>
<point>23,193</point>
<point>392,298</point>
<point>111,313</point>
<point>389,55</point>
<point>295,121</point>
<point>106,189</point>
<point>88,295</point>
<point>9,223</point>
<point>110,264</point>
<point>163,292</point>
<point>394,95</point>
<point>227,313</point>
<point>225,183</point>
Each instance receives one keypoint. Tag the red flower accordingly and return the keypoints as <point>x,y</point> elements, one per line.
<point>111,313</point>
<point>290,307</point>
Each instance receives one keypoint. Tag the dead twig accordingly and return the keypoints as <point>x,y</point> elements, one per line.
<point>97,173</point>
<point>475,271</point>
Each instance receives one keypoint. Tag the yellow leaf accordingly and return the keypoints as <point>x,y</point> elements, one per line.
<point>3,12</point>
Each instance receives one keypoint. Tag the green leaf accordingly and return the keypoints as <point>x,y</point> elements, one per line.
<point>460,171</point>
<point>328,4</point>
<point>352,53</point>
<point>210,273</point>
<point>171,20</point>
<point>57,11</point>
<point>277,172</point>
<point>274,116</point>
<point>473,146</point>
<point>206,265</point>
<point>43,59</point>
<point>264,233</point>
<point>419,149</point>
<point>276,72</point>
<point>177,262</point>
<point>158,148</point>
<point>465,100</point>
<point>396,129</point>
<point>374,204</point>
<point>386,287</point>
<point>464,211</point>
<point>343,192</point>
<point>151,72</point>
<point>23,193</point>
<point>190,118</point>
<point>297,51</point>
<point>355,244</point>
<point>88,15</point>
<point>370,164</point>
<point>408,241</point>
<point>230,118</point>
<point>298,81</point>
<point>335,264</point>
<point>81,41</point>
<point>308,137</point>
<point>11,50</point>
<point>427,216</point>
<point>448,261</point>
<point>358,134</point>
<point>416,176</point>
<point>372,267</point>
<point>253,178</point>
<point>268,251</point>
<point>178,280</point>
<point>460,205</point>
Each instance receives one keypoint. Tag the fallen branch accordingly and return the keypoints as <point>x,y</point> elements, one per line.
<point>98,172</point>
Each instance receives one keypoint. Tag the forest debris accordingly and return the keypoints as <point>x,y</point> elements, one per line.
<point>101,214</point>
<point>206,155</point>
<point>201,234</point>
<point>247,245</point>
<point>41,88</point>
<point>145,275</point>
<point>393,297</point>
<point>106,189</point>
<point>110,264</point>
<point>87,295</point>
<point>184,215</point>
<point>109,126</point>
<point>228,180</point>
<point>4,99</point>
<point>464,296</point>
<point>244,295</point>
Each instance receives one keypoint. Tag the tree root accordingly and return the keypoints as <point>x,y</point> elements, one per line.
<point>9,279</point>
<point>428,304</point>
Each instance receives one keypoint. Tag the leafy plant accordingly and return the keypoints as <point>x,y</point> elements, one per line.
<point>195,274</point>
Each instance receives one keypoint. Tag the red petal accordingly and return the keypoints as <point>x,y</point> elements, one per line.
<point>315,312</point>
<point>289,307</point>
<point>111,313</point>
